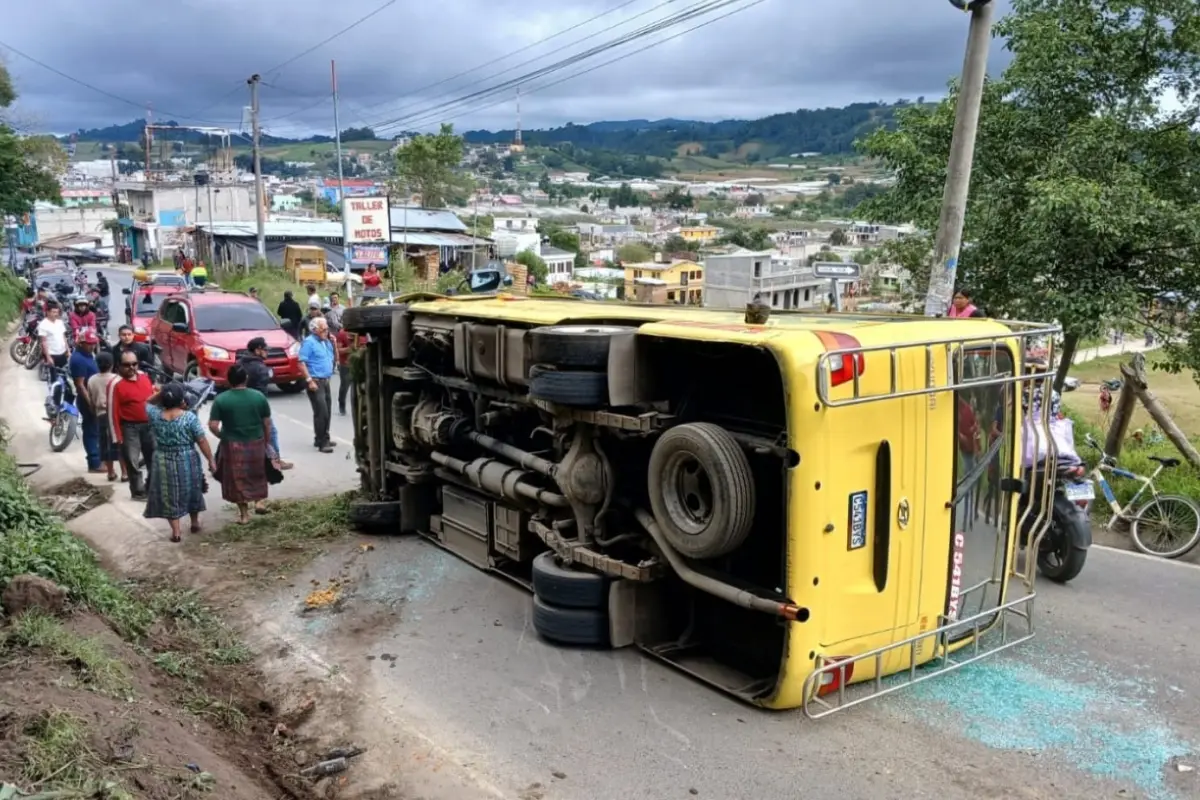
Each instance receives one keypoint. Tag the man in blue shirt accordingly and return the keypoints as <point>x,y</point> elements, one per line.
<point>317,361</point>
<point>82,366</point>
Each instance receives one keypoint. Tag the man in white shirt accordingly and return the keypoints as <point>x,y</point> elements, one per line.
<point>52,333</point>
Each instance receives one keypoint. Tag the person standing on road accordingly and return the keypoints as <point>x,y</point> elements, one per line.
<point>317,361</point>
<point>102,289</point>
<point>314,312</point>
<point>372,278</point>
<point>97,394</point>
<point>259,377</point>
<point>52,335</point>
<point>241,419</point>
<point>346,344</point>
<point>126,344</point>
<point>82,316</point>
<point>333,315</point>
<point>82,367</point>
<point>128,422</point>
<point>199,275</point>
<point>289,310</point>
<point>176,487</point>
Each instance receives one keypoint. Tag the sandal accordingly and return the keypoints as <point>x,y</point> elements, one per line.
<point>176,537</point>
<point>112,476</point>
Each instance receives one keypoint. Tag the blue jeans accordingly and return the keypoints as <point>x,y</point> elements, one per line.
<point>275,439</point>
<point>90,433</point>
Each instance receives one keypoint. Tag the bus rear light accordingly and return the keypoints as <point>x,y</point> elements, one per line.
<point>842,366</point>
<point>835,678</point>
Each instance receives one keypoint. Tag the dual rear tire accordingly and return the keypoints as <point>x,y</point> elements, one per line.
<point>570,606</point>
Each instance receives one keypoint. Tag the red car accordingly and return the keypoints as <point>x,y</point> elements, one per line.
<point>202,332</point>
<point>142,306</point>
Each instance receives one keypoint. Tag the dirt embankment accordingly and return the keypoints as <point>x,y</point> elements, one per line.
<point>112,690</point>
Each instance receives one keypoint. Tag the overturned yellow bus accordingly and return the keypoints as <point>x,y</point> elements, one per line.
<point>779,509</point>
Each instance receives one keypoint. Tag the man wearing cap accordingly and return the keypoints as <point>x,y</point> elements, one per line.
<point>314,312</point>
<point>82,367</point>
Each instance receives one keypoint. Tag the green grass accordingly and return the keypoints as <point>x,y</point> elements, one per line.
<point>60,762</point>
<point>221,713</point>
<point>12,292</point>
<point>88,657</point>
<point>1178,393</point>
<point>294,523</point>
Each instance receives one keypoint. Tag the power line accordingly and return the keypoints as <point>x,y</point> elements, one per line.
<point>323,42</point>
<point>694,11</point>
<point>595,67</point>
<point>97,89</point>
<point>518,51</point>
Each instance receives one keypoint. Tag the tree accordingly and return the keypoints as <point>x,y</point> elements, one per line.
<point>534,263</point>
<point>1084,202</point>
<point>27,165</point>
<point>834,178</point>
<point>634,253</point>
<point>677,199</point>
<point>507,164</point>
<point>427,164</point>
<point>753,239</point>
<point>838,237</point>
<point>363,134</point>
<point>677,244</point>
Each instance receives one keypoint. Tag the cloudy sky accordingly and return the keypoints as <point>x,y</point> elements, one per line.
<point>191,58</point>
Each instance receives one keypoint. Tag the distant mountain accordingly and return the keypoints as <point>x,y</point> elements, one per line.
<point>825,130</point>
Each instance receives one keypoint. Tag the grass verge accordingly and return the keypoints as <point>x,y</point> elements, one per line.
<point>294,524</point>
<point>59,756</point>
<point>86,656</point>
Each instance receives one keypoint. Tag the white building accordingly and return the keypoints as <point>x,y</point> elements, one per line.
<point>784,282</point>
<point>559,263</point>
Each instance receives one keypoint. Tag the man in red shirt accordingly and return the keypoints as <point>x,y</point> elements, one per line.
<point>129,425</point>
<point>372,278</point>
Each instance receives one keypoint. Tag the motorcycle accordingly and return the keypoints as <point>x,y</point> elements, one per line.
<point>20,347</point>
<point>61,411</point>
<point>196,392</point>
<point>1063,549</point>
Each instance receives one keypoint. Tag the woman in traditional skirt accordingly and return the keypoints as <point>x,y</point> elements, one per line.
<point>241,419</point>
<point>176,488</point>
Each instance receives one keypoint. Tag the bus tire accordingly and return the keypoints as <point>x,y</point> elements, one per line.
<point>701,490</point>
<point>577,626</point>
<point>566,587</point>
<point>574,387</point>
<point>367,319</point>
<point>576,346</point>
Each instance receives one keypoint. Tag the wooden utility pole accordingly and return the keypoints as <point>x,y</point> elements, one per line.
<point>1134,375</point>
<point>260,212</point>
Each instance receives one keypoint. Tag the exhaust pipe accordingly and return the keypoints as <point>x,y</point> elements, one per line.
<point>731,594</point>
<point>498,478</point>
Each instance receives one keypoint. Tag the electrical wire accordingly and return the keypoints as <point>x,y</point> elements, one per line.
<point>692,12</point>
<point>97,89</point>
<point>275,70</point>
<point>518,51</point>
<point>595,67</point>
<point>558,49</point>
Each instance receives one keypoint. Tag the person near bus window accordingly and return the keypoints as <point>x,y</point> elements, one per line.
<point>961,306</point>
<point>968,451</point>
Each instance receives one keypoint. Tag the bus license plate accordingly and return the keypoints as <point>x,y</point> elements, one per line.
<point>1080,491</point>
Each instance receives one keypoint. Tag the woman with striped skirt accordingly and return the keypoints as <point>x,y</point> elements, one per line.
<point>176,486</point>
<point>241,419</point>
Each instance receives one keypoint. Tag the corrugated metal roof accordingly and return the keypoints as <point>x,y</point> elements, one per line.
<point>434,239</point>
<point>306,229</point>
<point>425,219</point>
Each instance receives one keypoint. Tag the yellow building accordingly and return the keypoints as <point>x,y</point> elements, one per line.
<point>700,234</point>
<point>679,283</point>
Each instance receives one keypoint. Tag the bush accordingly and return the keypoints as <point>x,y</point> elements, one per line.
<point>12,292</point>
<point>35,541</point>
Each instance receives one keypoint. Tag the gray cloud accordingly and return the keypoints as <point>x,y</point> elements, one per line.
<point>191,58</point>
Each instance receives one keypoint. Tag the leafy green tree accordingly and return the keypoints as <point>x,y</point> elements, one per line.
<point>677,199</point>
<point>838,237</point>
<point>363,134</point>
<point>1084,198</point>
<point>427,165</point>
<point>833,178</point>
<point>677,244</point>
<point>27,165</point>
<point>752,239</point>
<point>634,253</point>
<point>534,263</point>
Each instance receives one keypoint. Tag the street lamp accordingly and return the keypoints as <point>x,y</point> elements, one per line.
<point>944,269</point>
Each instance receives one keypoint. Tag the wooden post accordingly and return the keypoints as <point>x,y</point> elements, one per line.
<point>1118,429</point>
<point>1134,374</point>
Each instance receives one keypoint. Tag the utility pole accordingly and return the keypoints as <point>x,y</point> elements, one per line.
<point>944,269</point>
<point>260,215</point>
<point>337,138</point>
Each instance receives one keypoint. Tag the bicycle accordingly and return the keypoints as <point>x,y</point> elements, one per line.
<point>1151,524</point>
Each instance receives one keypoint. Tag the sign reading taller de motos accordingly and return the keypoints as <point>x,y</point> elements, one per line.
<point>365,219</point>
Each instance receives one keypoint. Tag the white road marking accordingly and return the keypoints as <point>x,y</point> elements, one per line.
<point>1167,561</point>
<point>308,426</point>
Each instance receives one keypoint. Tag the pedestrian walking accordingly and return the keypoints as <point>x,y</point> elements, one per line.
<point>52,335</point>
<point>128,422</point>
<point>346,344</point>
<point>82,366</point>
<point>176,481</point>
<point>97,393</point>
<point>126,344</point>
<point>259,377</point>
<point>199,275</point>
<point>317,361</point>
<point>241,419</point>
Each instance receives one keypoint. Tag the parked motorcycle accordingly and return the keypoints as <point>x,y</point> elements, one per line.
<point>61,411</point>
<point>26,340</point>
<point>1063,549</point>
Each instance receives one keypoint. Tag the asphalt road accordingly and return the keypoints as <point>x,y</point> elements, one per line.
<point>1105,702</point>
<point>315,473</point>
